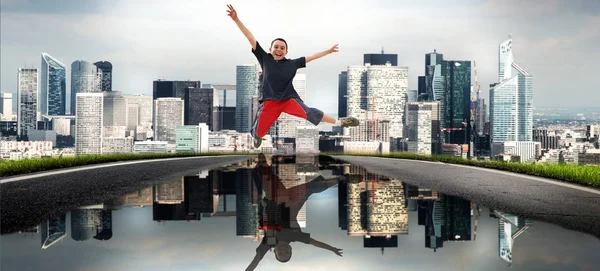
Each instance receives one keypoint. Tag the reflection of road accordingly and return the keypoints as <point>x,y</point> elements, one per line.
<point>278,212</point>
<point>518,194</point>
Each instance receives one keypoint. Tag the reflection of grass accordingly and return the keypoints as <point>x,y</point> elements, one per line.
<point>9,168</point>
<point>586,175</point>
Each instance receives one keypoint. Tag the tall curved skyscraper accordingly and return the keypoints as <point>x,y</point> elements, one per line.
<point>511,99</point>
<point>105,70</point>
<point>53,88</point>
<point>85,78</point>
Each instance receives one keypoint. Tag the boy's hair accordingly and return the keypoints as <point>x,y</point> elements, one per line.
<point>286,46</point>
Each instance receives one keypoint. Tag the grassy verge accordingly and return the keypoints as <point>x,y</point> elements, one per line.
<point>10,168</point>
<point>584,175</point>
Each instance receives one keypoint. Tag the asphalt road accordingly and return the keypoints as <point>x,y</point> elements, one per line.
<point>24,203</point>
<point>575,208</point>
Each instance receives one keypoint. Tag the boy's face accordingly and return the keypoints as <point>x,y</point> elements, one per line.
<point>278,50</point>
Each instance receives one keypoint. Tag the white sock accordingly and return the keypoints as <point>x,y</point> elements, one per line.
<point>338,123</point>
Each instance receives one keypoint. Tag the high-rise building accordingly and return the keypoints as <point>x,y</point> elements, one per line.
<point>115,109</point>
<point>6,106</point>
<point>455,111</point>
<point>84,79</point>
<point>246,87</point>
<point>198,104</point>
<point>382,89</point>
<point>380,59</point>
<point>104,68</point>
<point>364,131</point>
<point>53,88</point>
<point>168,115</point>
<point>172,89</point>
<point>27,100</point>
<point>431,85</point>
<point>342,92</point>
<point>511,100</point>
<point>88,123</point>
<point>423,127</point>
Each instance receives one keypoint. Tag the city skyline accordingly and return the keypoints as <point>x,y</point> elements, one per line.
<point>142,60</point>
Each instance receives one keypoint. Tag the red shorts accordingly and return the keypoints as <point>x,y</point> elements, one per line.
<point>269,111</point>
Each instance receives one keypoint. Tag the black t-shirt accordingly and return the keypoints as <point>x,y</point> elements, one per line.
<point>277,75</point>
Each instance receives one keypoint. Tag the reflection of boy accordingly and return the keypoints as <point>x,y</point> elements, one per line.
<point>279,234</point>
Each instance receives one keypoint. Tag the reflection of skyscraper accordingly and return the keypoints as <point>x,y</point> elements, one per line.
<point>376,208</point>
<point>91,221</point>
<point>446,218</point>
<point>183,199</point>
<point>246,219</point>
<point>53,230</point>
<point>510,227</point>
<point>457,219</point>
<point>139,198</point>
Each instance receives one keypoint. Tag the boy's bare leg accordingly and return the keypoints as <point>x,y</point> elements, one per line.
<point>328,119</point>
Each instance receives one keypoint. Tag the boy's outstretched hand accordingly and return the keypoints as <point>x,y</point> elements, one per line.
<point>232,13</point>
<point>333,49</point>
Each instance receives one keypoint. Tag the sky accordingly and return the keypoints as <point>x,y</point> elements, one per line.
<point>554,40</point>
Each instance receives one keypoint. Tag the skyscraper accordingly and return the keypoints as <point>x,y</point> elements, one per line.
<point>168,115</point>
<point>53,88</point>
<point>246,87</point>
<point>172,89</point>
<point>382,89</point>
<point>84,79</point>
<point>380,59</point>
<point>27,100</point>
<point>431,85</point>
<point>104,68</point>
<point>423,127</point>
<point>456,101</point>
<point>511,100</point>
<point>198,104</point>
<point>342,92</point>
<point>88,123</point>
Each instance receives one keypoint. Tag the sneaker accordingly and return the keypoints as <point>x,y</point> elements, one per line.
<point>349,121</point>
<point>257,142</point>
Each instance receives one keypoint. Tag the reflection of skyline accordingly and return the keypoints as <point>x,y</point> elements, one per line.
<point>371,206</point>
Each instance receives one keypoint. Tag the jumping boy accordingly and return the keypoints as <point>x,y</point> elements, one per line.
<point>277,94</point>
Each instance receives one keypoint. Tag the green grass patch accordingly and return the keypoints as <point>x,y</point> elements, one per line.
<point>10,168</point>
<point>588,175</point>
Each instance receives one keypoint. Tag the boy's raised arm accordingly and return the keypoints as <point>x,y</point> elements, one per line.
<point>333,49</point>
<point>233,14</point>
